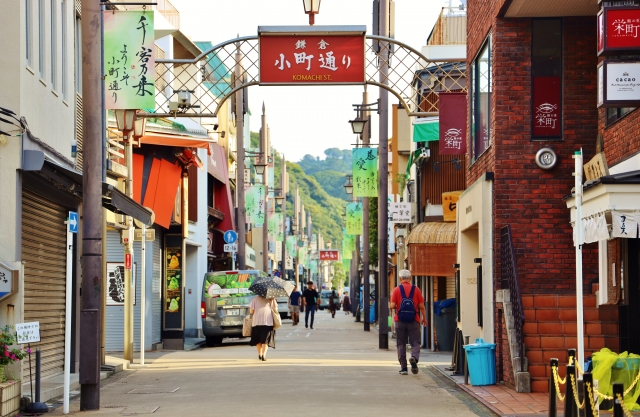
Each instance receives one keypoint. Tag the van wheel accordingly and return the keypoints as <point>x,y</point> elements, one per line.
<point>213,340</point>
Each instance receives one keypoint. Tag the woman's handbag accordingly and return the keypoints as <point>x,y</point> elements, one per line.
<point>247,324</point>
<point>277,321</point>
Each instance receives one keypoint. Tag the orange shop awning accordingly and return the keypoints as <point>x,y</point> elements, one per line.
<point>152,138</point>
<point>432,249</point>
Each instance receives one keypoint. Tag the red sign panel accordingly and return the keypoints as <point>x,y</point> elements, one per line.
<point>453,123</point>
<point>619,29</point>
<point>312,59</point>
<point>127,261</point>
<point>547,107</point>
<point>328,255</point>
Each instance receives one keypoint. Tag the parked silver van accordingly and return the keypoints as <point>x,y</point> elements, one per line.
<point>225,303</point>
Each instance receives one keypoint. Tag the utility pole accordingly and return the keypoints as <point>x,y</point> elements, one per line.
<point>264,144</point>
<point>297,224</point>
<point>92,277</point>
<point>383,160</point>
<point>239,110</point>
<point>365,220</point>
<point>283,190</point>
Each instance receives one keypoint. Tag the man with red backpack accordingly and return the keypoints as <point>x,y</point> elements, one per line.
<point>408,302</point>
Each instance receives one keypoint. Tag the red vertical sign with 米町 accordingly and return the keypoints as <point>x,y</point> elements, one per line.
<point>312,59</point>
<point>547,107</point>
<point>453,123</point>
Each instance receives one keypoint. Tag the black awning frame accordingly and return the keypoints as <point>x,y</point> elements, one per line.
<point>70,181</point>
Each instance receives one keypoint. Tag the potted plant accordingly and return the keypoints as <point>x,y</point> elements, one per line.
<point>10,389</point>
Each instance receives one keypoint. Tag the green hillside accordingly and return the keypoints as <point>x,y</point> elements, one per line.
<point>321,186</point>
<point>331,172</point>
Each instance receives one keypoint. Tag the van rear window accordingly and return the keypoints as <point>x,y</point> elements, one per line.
<point>228,285</point>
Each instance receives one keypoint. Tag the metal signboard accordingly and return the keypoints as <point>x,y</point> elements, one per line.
<point>312,55</point>
<point>329,255</point>
<point>618,30</point>
<point>400,212</point>
<point>231,247</point>
<point>618,83</point>
<point>150,235</point>
<point>28,332</point>
<point>288,264</point>
<point>8,281</point>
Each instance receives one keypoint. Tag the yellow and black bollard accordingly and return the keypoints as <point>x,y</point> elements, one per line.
<point>618,400</point>
<point>553,399</point>
<point>570,407</point>
<point>590,403</point>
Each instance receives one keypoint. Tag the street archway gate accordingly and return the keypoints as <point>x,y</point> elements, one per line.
<point>412,78</point>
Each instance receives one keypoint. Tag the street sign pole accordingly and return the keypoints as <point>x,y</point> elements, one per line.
<point>72,227</point>
<point>143,278</point>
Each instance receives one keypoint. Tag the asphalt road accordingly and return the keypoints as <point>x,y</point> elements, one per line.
<point>334,370</point>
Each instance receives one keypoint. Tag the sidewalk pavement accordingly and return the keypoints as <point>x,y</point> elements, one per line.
<point>53,387</point>
<point>335,368</point>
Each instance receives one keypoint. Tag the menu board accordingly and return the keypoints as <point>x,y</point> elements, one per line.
<point>173,279</point>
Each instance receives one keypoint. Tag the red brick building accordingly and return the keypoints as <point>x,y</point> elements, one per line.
<point>532,71</point>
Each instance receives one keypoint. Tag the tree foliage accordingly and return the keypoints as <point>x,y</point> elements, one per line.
<point>339,276</point>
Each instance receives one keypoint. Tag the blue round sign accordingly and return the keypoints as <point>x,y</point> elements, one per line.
<point>230,237</point>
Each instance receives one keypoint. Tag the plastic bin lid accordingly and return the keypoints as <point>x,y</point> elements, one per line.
<point>480,344</point>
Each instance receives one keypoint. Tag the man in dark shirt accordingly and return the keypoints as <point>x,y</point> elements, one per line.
<point>294,305</point>
<point>310,298</point>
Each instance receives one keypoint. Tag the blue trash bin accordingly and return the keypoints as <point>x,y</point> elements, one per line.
<point>481,360</point>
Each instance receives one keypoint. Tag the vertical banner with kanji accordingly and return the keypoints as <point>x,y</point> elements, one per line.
<point>453,123</point>
<point>354,218</point>
<point>348,245</point>
<point>255,203</point>
<point>129,66</point>
<point>365,172</point>
<point>275,226</point>
<point>302,256</point>
<point>346,253</point>
<point>292,246</point>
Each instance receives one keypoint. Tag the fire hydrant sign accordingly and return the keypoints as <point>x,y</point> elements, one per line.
<point>28,332</point>
<point>295,57</point>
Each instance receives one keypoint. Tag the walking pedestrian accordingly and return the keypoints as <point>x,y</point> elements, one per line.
<point>408,302</point>
<point>310,300</point>
<point>333,303</point>
<point>294,305</point>
<point>346,304</point>
<point>262,333</point>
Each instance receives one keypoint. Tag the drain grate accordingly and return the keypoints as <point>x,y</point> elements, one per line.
<point>152,391</point>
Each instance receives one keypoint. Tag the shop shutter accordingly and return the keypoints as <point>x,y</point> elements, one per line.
<point>44,254</point>
<point>156,288</point>
<point>451,287</point>
<point>115,313</point>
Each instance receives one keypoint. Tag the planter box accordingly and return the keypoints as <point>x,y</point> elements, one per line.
<point>10,393</point>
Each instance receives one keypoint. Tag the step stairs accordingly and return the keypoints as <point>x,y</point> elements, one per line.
<point>550,329</point>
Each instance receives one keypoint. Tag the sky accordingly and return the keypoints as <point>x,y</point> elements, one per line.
<point>310,119</point>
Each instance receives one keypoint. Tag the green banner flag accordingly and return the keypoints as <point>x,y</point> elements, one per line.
<point>365,172</point>
<point>129,64</point>
<point>314,267</point>
<point>302,256</point>
<point>346,253</point>
<point>354,218</point>
<point>275,226</point>
<point>346,264</point>
<point>255,204</point>
<point>292,246</point>
<point>349,242</point>
<point>427,130</point>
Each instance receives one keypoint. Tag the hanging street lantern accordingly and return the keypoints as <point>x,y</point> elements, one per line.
<point>311,7</point>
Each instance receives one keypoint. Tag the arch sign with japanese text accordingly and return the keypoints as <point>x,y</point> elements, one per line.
<point>304,55</point>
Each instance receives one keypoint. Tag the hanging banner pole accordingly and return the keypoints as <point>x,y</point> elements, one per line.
<point>580,319</point>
